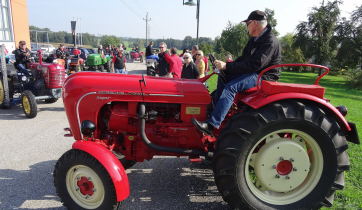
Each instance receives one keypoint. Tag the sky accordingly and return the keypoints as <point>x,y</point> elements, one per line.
<point>169,18</point>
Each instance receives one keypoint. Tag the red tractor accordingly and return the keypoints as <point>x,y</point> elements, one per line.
<point>282,146</point>
<point>136,56</point>
<point>42,81</point>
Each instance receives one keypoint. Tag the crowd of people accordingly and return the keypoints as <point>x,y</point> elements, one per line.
<point>190,64</point>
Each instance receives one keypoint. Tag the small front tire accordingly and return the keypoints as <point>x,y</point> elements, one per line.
<point>81,182</point>
<point>29,105</point>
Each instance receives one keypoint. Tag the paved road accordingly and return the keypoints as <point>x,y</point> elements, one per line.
<point>29,149</point>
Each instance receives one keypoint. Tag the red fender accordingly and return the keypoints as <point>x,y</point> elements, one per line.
<point>258,100</point>
<point>110,163</point>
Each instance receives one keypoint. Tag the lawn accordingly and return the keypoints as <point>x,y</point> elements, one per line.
<point>339,93</point>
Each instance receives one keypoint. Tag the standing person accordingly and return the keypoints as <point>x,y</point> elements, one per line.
<point>262,50</point>
<point>200,63</point>
<point>189,69</point>
<point>175,64</point>
<point>163,66</point>
<point>194,50</point>
<point>100,50</point>
<point>22,58</point>
<point>119,63</point>
<point>149,52</point>
<point>60,52</point>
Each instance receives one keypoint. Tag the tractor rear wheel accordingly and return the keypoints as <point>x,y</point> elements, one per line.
<point>81,182</point>
<point>3,102</point>
<point>287,155</point>
<point>29,105</point>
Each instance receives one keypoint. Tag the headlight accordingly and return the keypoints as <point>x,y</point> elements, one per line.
<point>24,78</point>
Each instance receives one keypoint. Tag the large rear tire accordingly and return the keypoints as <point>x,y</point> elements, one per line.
<point>287,155</point>
<point>29,105</point>
<point>81,182</point>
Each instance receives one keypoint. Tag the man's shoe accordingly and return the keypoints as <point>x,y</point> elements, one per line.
<point>204,127</point>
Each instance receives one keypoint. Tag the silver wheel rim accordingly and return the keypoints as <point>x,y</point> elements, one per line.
<point>267,169</point>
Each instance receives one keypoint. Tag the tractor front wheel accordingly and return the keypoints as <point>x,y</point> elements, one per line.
<point>3,103</point>
<point>29,105</point>
<point>81,182</point>
<point>287,155</point>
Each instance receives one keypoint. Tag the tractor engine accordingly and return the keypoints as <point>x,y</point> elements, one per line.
<point>164,127</point>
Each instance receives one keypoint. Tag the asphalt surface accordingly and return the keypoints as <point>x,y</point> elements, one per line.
<point>29,149</point>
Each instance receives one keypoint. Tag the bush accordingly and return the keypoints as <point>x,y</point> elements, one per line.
<point>354,77</point>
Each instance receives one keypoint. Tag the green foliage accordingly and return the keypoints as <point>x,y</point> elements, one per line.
<point>291,54</point>
<point>110,40</point>
<point>349,37</point>
<point>271,20</point>
<point>206,48</point>
<point>354,77</point>
<point>234,38</point>
<point>314,36</point>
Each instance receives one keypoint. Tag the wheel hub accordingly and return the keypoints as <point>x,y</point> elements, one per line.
<point>281,165</point>
<point>86,187</point>
<point>284,167</point>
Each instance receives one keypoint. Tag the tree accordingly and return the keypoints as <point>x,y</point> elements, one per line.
<point>314,36</point>
<point>291,54</point>
<point>271,20</point>
<point>234,38</point>
<point>110,40</point>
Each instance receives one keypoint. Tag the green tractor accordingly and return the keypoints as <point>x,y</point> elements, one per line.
<point>97,62</point>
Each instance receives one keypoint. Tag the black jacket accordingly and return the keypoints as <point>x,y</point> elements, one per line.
<point>190,71</point>
<point>60,53</point>
<point>119,62</point>
<point>163,66</point>
<point>257,55</point>
<point>21,56</point>
<point>149,50</point>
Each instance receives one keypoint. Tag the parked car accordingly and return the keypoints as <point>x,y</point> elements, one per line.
<point>91,51</point>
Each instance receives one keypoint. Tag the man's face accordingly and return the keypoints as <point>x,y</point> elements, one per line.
<point>162,48</point>
<point>251,26</point>
<point>23,46</point>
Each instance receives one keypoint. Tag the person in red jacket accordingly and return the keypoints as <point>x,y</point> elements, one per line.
<point>175,64</point>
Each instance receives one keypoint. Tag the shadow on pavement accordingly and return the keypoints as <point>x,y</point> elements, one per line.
<point>172,183</point>
<point>33,188</point>
<point>161,184</point>
<point>16,112</point>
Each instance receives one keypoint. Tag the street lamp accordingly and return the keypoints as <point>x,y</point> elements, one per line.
<point>192,3</point>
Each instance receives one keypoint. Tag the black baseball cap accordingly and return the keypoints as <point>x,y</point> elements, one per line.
<point>256,15</point>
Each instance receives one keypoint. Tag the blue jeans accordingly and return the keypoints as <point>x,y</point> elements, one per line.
<point>21,68</point>
<point>120,71</point>
<point>225,94</point>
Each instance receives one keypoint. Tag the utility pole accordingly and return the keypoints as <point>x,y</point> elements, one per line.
<point>147,20</point>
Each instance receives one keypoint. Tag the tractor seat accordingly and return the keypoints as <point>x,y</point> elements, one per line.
<point>271,88</point>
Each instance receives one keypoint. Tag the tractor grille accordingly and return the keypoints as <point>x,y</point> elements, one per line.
<point>56,77</point>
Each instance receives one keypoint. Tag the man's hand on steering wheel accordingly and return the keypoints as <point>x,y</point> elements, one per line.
<point>220,65</point>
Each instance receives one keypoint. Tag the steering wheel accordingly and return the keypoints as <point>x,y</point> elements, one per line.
<point>221,74</point>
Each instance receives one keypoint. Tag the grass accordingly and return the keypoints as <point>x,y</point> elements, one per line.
<point>339,93</point>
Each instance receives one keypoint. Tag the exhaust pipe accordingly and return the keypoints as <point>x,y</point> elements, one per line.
<point>151,145</point>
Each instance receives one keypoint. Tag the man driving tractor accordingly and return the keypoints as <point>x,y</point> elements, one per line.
<point>262,50</point>
<point>22,58</point>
